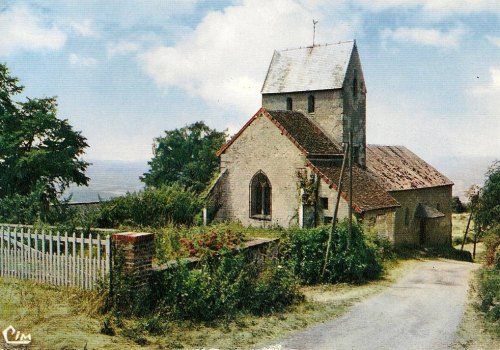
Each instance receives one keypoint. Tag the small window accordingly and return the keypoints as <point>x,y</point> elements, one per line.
<point>260,197</point>
<point>310,104</point>
<point>327,220</point>
<point>438,207</point>
<point>289,104</point>
<point>324,202</point>
<point>407,217</point>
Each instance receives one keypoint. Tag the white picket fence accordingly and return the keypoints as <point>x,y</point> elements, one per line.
<point>49,256</point>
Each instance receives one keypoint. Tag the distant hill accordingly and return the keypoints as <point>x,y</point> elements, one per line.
<point>463,171</point>
<point>115,178</point>
<point>109,179</point>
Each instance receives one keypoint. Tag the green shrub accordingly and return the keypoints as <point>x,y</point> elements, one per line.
<point>489,292</point>
<point>350,260</point>
<point>224,286</point>
<point>151,207</point>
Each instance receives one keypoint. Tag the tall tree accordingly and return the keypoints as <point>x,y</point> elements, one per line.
<point>185,156</point>
<point>37,150</point>
<point>488,211</point>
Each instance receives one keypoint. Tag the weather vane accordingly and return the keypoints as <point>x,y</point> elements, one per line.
<point>314,30</point>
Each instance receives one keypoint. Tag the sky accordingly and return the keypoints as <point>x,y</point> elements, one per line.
<point>126,71</point>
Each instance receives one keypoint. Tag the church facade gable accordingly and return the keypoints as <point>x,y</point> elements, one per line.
<point>261,150</point>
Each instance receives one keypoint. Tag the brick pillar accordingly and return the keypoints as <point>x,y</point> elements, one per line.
<point>138,251</point>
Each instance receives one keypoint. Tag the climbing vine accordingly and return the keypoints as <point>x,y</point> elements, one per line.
<point>309,184</point>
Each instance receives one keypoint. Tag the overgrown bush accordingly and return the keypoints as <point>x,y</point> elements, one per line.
<point>224,286</point>
<point>203,239</point>
<point>154,207</point>
<point>220,287</point>
<point>489,292</point>
<point>33,208</point>
<point>352,259</point>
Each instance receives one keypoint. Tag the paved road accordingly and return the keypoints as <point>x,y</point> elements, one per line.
<point>421,311</point>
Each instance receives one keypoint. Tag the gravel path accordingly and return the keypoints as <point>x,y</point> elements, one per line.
<point>421,311</point>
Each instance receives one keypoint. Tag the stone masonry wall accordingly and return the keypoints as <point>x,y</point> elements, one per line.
<point>438,231</point>
<point>327,112</point>
<point>261,147</point>
<point>355,106</point>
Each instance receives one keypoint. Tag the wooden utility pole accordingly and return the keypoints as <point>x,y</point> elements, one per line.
<point>350,184</point>
<point>467,229</point>
<point>336,210</point>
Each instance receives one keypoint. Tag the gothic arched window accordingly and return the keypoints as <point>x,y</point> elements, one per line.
<point>260,196</point>
<point>289,105</point>
<point>310,104</point>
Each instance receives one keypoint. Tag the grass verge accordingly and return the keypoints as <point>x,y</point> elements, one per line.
<point>65,319</point>
<point>475,333</point>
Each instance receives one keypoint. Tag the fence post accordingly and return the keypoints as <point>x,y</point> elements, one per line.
<point>137,250</point>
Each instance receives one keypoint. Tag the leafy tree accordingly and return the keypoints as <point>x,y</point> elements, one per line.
<point>185,156</point>
<point>488,209</point>
<point>457,206</point>
<point>37,150</point>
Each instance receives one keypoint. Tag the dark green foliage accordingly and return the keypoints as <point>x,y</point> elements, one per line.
<point>36,148</point>
<point>151,207</point>
<point>457,206</point>
<point>185,156</point>
<point>351,260</point>
<point>225,286</point>
<point>489,292</point>
<point>488,209</point>
<point>220,287</point>
<point>34,208</point>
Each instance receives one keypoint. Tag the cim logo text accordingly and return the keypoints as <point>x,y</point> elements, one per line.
<point>14,338</point>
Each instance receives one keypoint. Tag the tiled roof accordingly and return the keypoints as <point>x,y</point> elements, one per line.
<point>298,128</point>
<point>305,132</point>
<point>397,168</point>
<point>321,67</point>
<point>425,211</point>
<point>367,194</point>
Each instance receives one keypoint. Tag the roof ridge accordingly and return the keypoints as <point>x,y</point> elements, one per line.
<point>317,45</point>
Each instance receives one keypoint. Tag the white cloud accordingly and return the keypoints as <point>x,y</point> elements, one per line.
<point>425,36</point>
<point>122,48</point>
<point>85,28</point>
<point>224,60</point>
<point>495,40</point>
<point>76,60</point>
<point>443,6</point>
<point>21,29</point>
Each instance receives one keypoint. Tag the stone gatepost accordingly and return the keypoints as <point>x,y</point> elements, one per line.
<point>137,251</point>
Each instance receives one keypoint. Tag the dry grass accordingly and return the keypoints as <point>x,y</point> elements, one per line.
<point>474,333</point>
<point>60,319</point>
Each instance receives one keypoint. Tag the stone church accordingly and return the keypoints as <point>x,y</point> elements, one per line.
<point>283,166</point>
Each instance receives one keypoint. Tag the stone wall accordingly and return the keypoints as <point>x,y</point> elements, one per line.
<point>438,230</point>
<point>328,108</point>
<point>355,106</point>
<point>381,222</point>
<point>261,147</point>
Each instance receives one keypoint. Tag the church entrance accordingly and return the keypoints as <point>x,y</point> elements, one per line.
<point>422,234</point>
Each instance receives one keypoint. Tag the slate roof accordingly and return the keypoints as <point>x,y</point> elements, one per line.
<point>424,211</point>
<point>297,128</point>
<point>367,194</point>
<point>397,168</point>
<point>321,67</point>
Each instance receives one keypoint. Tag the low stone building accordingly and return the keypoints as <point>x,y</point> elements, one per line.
<point>283,167</point>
